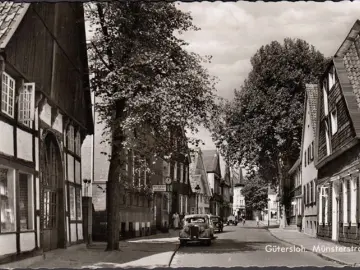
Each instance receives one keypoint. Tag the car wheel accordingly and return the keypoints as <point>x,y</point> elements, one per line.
<point>182,243</point>
<point>228,223</point>
<point>208,243</point>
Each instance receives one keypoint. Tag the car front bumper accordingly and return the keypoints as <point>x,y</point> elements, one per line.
<point>195,239</point>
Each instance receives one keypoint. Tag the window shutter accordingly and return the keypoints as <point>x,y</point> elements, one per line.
<point>329,198</point>
<point>305,158</point>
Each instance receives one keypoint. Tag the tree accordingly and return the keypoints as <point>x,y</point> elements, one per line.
<point>255,192</point>
<point>261,127</point>
<point>151,90</point>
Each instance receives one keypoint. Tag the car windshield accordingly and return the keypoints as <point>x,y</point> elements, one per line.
<point>214,219</point>
<point>196,220</point>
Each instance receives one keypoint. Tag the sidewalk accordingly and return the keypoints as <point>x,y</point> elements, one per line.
<point>325,249</point>
<point>132,253</point>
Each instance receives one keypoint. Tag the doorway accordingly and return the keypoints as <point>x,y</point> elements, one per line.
<point>335,212</point>
<point>52,188</point>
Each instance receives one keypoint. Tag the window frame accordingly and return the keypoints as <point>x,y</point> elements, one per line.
<point>13,172</point>
<point>31,106</point>
<point>334,121</point>
<point>7,94</point>
<point>31,209</point>
<point>325,99</point>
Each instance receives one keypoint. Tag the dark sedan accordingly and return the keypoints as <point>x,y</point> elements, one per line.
<point>217,223</point>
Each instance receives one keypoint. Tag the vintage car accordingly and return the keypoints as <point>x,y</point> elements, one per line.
<point>217,223</point>
<point>232,220</point>
<point>197,228</point>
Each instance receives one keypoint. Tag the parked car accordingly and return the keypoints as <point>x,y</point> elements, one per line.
<point>197,228</point>
<point>217,223</point>
<point>231,220</point>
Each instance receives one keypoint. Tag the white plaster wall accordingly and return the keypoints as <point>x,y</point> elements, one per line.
<point>210,177</point>
<point>80,232</point>
<point>45,114</point>
<point>27,241</point>
<point>237,198</point>
<point>73,232</point>
<point>24,145</point>
<point>70,167</point>
<point>6,139</point>
<point>10,246</point>
<point>37,187</point>
<point>37,164</point>
<point>58,123</point>
<point>309,172</point>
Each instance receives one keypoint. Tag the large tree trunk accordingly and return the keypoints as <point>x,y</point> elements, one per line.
<point>283,221</point>
<point>117,161</point>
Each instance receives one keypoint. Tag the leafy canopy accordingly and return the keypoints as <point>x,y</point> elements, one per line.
<point>255,192</point>
<point>139,59</point>
<point>262,127</point>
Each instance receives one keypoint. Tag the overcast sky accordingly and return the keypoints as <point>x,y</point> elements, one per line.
<point>232,32</point>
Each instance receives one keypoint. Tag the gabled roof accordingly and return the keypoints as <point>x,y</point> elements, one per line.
<point>311,101</point>
<point>211,160</point>
<point>11,14</point>
<point>197,173</point>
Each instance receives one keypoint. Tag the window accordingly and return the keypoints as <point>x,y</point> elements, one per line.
<point>7,94</point>
<point>78,204</point>
<point>334,124</point>
<point>26,202</point>
<point>353,199</point>
<point>70,138</point>
<point>175,171</point>
<point>26,104</point>
<point>181,172</point>
<point>326,106</point>
<point>7,200</point>
<point>186,174</point>
<point>305,159</point>
<point>345,202</point>
<point>312,151</point>
<point>309,155</point>
<point>78,144</point>
<point>72,197</point>
<point>331,78</point>
<point>327,138</point>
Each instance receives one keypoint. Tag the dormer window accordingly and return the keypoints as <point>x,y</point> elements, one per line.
<point>331,78</point>
<point>7,94</point>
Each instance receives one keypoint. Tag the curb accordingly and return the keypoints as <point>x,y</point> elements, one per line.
<point>173,255</point>
<point>316,253</point>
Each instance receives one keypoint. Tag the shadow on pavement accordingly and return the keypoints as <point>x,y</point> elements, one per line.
<point>225,246</point>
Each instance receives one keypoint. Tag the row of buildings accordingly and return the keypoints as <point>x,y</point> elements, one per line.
<point>324,185</point>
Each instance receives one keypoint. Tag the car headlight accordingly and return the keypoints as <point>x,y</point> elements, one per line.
<point>202,229</point>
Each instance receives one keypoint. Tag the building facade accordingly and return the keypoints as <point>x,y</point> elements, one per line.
<point>308,170</point>
<point>337,148</point>
<point>200,203</point>
<point>212,164</point>
<point>294,208</point>
<point>238,207</point>
<point>45,116</point>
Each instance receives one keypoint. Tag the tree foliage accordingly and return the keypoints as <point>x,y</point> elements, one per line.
<point>255,192</point>
<point>262,127</point>
<point>149,89</point>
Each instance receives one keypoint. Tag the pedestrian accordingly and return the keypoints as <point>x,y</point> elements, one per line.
<point>243,220</point>
<point>176,220</point>
<point>257,221</point>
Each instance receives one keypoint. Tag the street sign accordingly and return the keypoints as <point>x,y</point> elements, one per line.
<point>159,188</point>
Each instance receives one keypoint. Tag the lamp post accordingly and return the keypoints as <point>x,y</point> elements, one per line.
<point>197,190</point>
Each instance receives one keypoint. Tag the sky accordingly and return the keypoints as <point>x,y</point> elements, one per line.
<point>232,32</point>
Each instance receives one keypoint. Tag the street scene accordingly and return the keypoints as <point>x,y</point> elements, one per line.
<point>157,134</point>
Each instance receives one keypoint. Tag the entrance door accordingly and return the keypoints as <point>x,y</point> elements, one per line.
<point>53,196</point>
<point>335,212</point>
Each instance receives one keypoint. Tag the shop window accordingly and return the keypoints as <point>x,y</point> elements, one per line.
<point>26,202</point>
<point>7,200</point>
<point>72,197</point>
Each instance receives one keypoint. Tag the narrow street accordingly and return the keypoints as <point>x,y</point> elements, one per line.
<point>244,246</point>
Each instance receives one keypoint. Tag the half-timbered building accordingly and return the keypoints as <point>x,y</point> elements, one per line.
<point>45,113</point>
<point>337,148</point>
